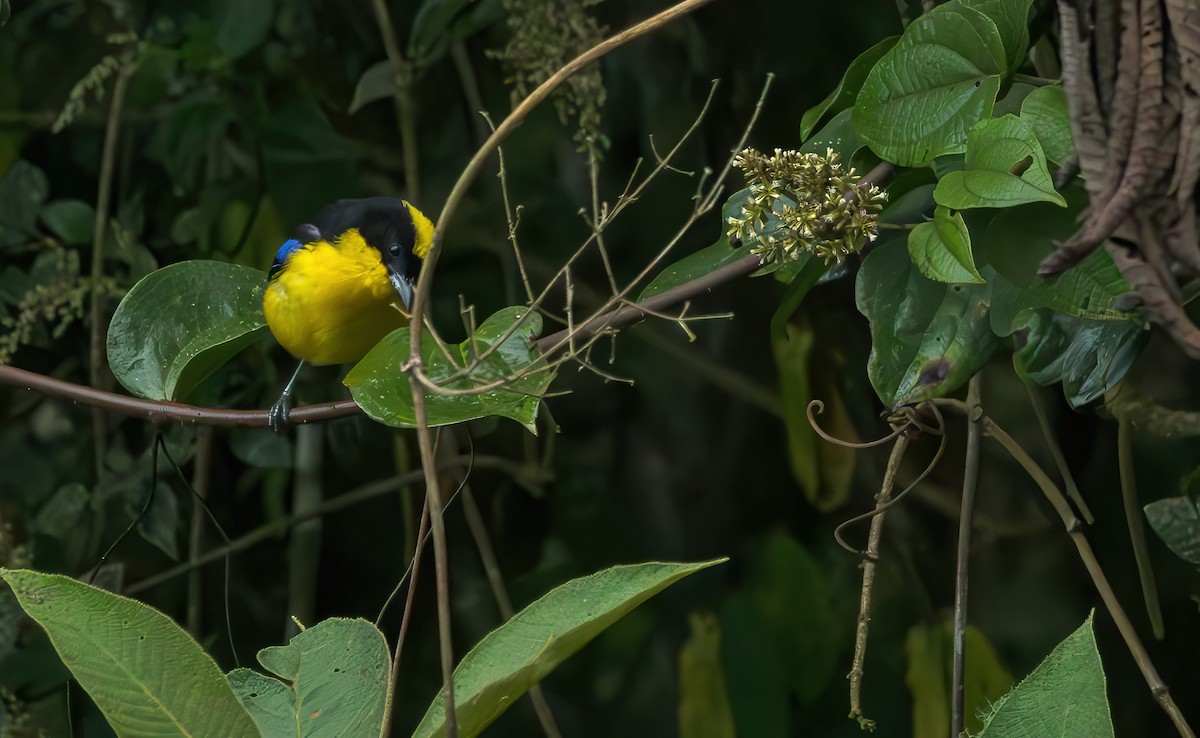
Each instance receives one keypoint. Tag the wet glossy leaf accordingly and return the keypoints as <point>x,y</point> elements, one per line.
<point>377,83</point>
<point>181,323</point>
<point>927,339</point>
<point>1089,357</point>
<point>145,673</point>
<point>941,249</point>
<point>71,220</point>
<point>520,653</point>
<point>847,89</point>
<point>929,675</point>
<point>704,710</point>
<point>330,680</point>
<point>941,78</point>
<point>383,391</point>
<point>1004,166</point>
<point>1045,111</point>
<point>1176,520</point>
<point>1063,697</point>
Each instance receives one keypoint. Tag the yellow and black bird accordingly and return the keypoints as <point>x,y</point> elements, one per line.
<point>343,282</point>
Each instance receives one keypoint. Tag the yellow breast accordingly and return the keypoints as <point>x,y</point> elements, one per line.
<point>332,302</point>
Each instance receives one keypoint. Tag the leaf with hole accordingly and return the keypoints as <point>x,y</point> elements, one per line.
<point>520,653</point>
<point>920,100</point>
<point>383,392</point>
<point>147,675</point>
<point>1004,166</point>
<point>181,323</point>
<point>330,680</point>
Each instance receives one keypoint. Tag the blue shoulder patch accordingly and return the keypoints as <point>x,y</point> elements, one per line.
<point>283,253</point>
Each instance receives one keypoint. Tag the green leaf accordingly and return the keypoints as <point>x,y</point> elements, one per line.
<point>838,134</point>
<point>145,673</point>
<point>1045,111</point>
<point>1016,241</point>
<point>377,83</point>
<point>160,524</point>
<point>941,249</point>
<point>5,11</point>
<point>706,260</point>
<point>442,22</point>
<point>383,390</point>
<point>847,89</point>
<point>1004,166</point>
<point>804,279</point>
<point>929,648</point>
<point>1176,520</point>
<point>243,25</point>
<point>704,710</point>
<point>1089,357</point>
<point>823,471</point>
<point>520,653</point>
<point>923,96</point>
<point>1063,697</point>
<point>333,681</point>
<point>927,338</point>
<point>71,220</point>
<point>1012,21</point>
<point>181,323</point>
<point>22,191</point>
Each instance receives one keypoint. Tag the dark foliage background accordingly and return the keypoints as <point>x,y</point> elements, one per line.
<point>236,128</point>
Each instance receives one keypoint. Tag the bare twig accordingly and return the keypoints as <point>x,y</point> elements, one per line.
<point>1039,411</point>
<point>201,480</point>
<point>1137,533</point>
<point>965,516</point>
<point>868,567</point>
<point>108,159</point>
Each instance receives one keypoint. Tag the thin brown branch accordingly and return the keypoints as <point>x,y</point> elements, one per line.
<point>1136,521</point>
<point>108,159</point>
<point>402,99</point>
<point>868,566</point>
<point>965,518</point>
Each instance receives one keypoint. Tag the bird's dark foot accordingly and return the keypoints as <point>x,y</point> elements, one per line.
<point>277,416</point>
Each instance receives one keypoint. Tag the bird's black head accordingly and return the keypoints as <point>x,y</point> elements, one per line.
<point>386,224</point>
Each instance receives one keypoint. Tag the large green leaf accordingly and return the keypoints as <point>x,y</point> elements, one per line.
<point>1045,111</point>
<point>1004,166</point>
<point>707,259</point>
<point>847,89</point>
<point>838,134</point>
<point>923,96</point>
<point>1063,697</point>
<point>520,653</point>
<point>181,323</point>
<point>376,83</point>
<point>927,338</point>
<point>71,220</point>
<point>332,681</point>
<point>941,249</point>
<point>145,673</point>
<point>1012,21</point>
<point>383,392</point>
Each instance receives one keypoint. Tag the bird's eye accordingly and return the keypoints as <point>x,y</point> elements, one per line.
<point>395,249</point>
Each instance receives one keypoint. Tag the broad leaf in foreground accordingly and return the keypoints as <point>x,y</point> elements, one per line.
<point>927,338</point>
<point>332,680</point>
<point>520,653</point>
<point>1004,166</point>
<point>382,389</point>
<point>1063,697</point>
<point>181,323</point>
<point>941,249</point>
<point>147,675</point>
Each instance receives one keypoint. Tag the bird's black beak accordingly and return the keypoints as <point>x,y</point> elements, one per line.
<point>404,288</point>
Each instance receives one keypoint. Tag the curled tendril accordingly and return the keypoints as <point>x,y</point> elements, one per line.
<point>904,420</point>
<point>816,407</point>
